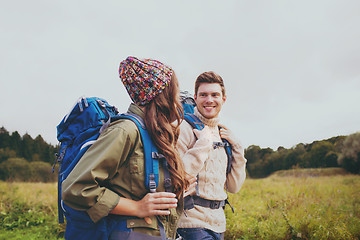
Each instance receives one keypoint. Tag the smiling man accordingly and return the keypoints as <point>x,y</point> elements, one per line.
<point>204,156</point>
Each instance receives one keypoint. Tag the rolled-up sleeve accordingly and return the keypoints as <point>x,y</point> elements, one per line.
<point>84,188</point>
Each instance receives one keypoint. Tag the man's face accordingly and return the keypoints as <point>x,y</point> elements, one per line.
<point>209,99</point>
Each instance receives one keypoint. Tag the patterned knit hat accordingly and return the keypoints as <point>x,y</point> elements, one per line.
<point>144,78</point>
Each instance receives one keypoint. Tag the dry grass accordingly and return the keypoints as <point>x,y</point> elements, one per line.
<point>43,195</point>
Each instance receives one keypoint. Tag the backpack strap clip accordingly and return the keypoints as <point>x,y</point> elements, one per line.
<point>191,201</point>
<point>167,178</point>
<point>59,158</point>
<point>152,183</point>
<point>227,202</point>
<point>157,155</point>
<point>220,144</point>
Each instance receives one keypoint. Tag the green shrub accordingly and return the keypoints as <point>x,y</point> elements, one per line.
<point>41,172</point>
<point>15,169</point>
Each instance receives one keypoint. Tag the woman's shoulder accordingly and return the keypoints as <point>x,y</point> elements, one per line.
<point>125,126</point>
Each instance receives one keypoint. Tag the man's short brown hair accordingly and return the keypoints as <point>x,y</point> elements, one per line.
<point>209,77</point>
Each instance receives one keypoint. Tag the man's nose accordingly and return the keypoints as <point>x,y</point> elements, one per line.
<point>209,98</point>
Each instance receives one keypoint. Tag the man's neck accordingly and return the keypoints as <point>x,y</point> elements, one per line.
<point>211,122</point>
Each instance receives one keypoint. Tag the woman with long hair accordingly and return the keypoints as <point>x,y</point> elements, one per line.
<point>108,182</point>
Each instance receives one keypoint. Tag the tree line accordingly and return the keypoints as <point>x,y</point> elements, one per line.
<point>23,158</point>
<point>341,151</point>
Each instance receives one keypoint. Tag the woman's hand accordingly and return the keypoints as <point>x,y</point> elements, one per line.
<point>152,204</point>
<point>156,204</point>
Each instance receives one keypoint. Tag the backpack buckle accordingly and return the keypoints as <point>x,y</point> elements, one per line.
<point>167,183</point>
<point>152,183</point>
<point>218,144</point>
<point>214,204</point>
<point>156,155</point>
<point>188,202</point>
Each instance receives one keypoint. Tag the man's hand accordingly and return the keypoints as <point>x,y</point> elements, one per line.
<point>205,133</point>
<point>226,134</point>
<point>191,188</point>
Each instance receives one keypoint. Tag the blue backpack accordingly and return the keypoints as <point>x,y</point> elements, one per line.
<point>76,133</point>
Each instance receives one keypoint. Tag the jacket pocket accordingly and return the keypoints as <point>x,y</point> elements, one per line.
<point>140,223</point>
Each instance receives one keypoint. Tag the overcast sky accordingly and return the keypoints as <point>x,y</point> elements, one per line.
<point>291,68</point>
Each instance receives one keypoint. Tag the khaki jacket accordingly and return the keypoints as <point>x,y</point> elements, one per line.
<point>113,167</point>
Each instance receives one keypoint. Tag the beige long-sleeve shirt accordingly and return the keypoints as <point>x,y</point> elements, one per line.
<point>200,158</point>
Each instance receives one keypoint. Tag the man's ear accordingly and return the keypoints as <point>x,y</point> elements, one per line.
<point>195,98</point>
<point>224,98</point>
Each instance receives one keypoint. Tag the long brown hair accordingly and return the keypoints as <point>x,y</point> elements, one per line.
<point>162,119</point>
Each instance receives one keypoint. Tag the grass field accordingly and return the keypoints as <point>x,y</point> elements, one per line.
<point>29,211</point>
<point>325,207</point>
<point>277,207</point>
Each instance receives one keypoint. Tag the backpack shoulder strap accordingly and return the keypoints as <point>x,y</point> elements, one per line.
<point>150,151</point>
<point>194,121</point>
<point>152,158</point>
<point>228,150</point>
